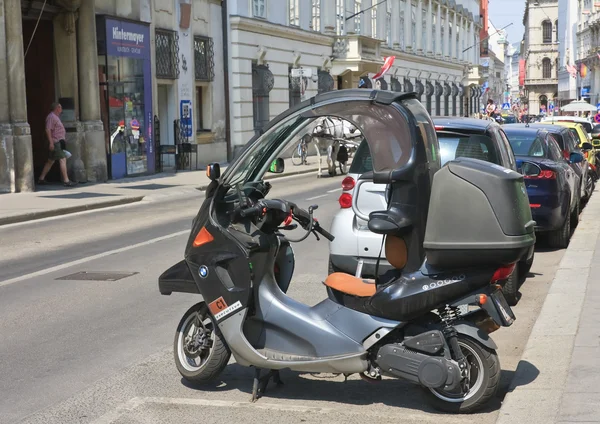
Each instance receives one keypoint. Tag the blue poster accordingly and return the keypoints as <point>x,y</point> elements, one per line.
<point>185,113</point>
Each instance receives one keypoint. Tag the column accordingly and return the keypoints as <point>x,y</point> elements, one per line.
<point>328,17</point>
<point>15,60</point>
<point>447,34</point>
<point>6,146</point>
<point>94,150</point>
<point>396,24</point>
<point>438,30</point>
<point>366,18</point>
<point>454,37</point>
<point>419,18</point>
<point>408,25</point>
<point>429,29</point>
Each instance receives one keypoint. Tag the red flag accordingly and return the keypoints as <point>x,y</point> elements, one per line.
<point>387,64</point>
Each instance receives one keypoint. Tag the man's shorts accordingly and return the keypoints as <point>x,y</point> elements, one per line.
<point>57,153</point>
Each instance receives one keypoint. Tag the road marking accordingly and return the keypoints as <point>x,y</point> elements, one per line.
<point>91,258</point>
<point>334,190</point>
<point>317,197</point>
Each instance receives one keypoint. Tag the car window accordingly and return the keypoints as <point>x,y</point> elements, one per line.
<point>528,145</point>
<point>575,134</point>
<point>362,161</point>
<point>560,140</point>
<point>571,141</point>
<point>554,148</point>
<point>471,146</point>
<point>508,150</point>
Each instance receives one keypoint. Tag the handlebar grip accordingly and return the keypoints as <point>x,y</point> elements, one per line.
<point>254,210</point>
<point>324,233</point>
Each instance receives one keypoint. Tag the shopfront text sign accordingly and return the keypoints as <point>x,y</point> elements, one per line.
<point>127,39</point>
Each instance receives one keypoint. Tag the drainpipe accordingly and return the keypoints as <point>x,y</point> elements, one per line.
<point>224,24</point>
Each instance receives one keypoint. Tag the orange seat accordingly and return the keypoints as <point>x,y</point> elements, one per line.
<point>349,284</point>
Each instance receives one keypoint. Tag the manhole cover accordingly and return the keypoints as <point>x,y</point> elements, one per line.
<point>97,276</point>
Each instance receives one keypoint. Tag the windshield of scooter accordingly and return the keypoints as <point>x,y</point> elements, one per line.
<point>385,127</point>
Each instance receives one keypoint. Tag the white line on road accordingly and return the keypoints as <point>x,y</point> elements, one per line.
<point>334,190</point>
<point>316,197</point>
<point>91,258</point>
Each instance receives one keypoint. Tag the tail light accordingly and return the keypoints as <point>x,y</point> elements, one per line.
<point>348,183</point>
<point>503,273</point>
<point>585,154</point>
<point>345,200</point>
<point>544,175</point>
<point>535,205</point>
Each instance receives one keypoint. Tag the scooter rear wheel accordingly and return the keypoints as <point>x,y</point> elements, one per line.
<point>200,352</point>
<point>484,380</point>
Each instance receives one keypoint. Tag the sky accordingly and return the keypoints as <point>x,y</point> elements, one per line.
<point>503,12</point>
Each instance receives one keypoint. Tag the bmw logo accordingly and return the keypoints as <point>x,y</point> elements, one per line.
<point>203,271</point>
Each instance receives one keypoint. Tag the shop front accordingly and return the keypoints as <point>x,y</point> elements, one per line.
<point>125,74</point>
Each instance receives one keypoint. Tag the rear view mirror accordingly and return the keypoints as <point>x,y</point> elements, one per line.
<point>586,146</point>
<point>213,171</point>
<point>576,157</point>
<point>277,166</point>
<point>529,169</point>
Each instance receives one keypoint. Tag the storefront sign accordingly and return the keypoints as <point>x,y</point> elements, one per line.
<point>127,39</point>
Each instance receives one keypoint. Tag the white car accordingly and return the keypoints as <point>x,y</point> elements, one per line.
<point>354,243</point>
<point>586,123</point>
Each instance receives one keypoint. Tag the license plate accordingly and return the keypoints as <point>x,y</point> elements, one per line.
<point>505,312</point>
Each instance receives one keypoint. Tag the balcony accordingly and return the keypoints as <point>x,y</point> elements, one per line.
<point>357,53</point>
<point>541,81</point>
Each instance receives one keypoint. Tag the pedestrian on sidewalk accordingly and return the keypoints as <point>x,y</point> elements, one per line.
<point>55,131</point>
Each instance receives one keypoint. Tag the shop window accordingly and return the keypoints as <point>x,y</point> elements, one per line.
<point>167,54</point>
<point>546,68</point>
<point>547,31</point>
<point>259,8</point>
<point>204,58</point>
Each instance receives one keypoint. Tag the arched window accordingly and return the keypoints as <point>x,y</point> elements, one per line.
<point>547,31</point>
<point>546,68</point>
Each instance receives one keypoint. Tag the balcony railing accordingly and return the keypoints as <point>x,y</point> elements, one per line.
<point>541,81</point>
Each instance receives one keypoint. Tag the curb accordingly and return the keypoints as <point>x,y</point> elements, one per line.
<point>32,216</point>
<point>540,380</point>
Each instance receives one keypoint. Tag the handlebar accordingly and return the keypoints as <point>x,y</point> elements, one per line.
<point>320,230</point>
<point>251,211</point>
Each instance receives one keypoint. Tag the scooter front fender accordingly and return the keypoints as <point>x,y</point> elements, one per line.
<point>179,279</point>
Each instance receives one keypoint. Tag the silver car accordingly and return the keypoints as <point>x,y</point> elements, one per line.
<point>354,244</point>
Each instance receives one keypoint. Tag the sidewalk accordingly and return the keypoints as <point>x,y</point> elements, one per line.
<point>558,377</point>
<point>55,199</point>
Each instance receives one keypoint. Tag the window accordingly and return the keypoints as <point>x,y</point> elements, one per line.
<point>374,22</point>
<point>543,103</point>
<point>200,109</point>
<point>316,15</point>
<point>203,59</point>
<point>259,9</point>
<point>294,12</point>
<point>474,146</point>
<point>556,29</point>
<point>362,161</point>
<point>547,31</point>
<point>357,18</point>
<point>167,54</point>
<point>554,148</point>
<point>339,17</point>
<point>388,28</point>
<point>546,68</point>
<point>414,26</point>
<point>528,145</point>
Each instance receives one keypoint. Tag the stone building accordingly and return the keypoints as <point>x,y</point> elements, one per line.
<point>540,52</point>
<point>587,27</point>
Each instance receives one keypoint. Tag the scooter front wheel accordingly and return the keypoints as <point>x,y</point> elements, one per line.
<point>484,378</point>
<point>200,352</point>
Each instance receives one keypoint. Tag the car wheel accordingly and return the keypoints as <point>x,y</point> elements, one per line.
<point>560,238</point>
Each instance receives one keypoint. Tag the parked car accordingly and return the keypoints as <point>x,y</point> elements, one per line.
<point>585,123</point>
<point>588,150</point>
<point>355,247</point>
<point>568,144</point>
<point>552,184</point>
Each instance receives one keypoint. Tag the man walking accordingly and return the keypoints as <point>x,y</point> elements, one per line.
<point>55,132</point>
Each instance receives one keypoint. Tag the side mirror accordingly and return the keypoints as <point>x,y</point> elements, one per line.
<point>586,146</point>
<point>529,169</point>
<point>576,157</point>
<point>213,171</point>
<point>277,166</point>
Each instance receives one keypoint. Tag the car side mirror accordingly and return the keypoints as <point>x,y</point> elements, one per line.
<point>576,157</point>
<point>213,171</point>
<point>586,146</point>
<point>277,166</point>
<point>529,169</point>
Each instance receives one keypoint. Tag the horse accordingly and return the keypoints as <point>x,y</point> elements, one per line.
<point>328,135</point>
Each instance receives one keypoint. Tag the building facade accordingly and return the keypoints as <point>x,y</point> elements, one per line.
<point>567,50</point>
<point>540,52</point>
<point>284,51</point>
<point>587,59</point>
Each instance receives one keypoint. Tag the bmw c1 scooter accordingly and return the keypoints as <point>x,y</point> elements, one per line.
<point>409,324</point>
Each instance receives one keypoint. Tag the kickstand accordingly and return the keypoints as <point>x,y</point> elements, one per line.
<point>259,387</point>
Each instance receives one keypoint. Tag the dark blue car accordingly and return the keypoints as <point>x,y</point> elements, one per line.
<point>552,184</point>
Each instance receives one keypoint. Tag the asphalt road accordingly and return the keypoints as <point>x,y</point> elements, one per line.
<point>77,351</point>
